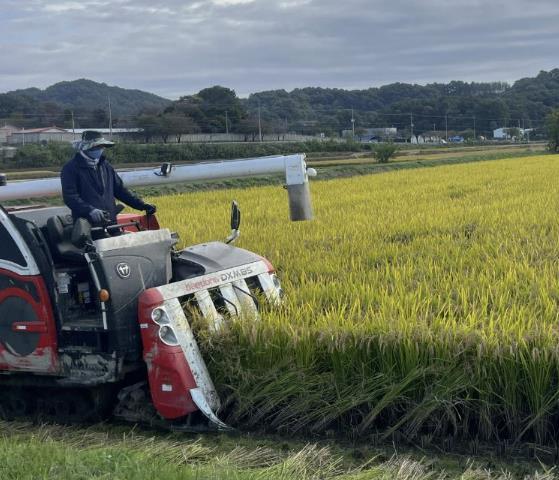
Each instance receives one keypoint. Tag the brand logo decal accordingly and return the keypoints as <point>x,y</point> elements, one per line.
<point>123,270</point>
<point>220,278</point>
<point>236,274</point>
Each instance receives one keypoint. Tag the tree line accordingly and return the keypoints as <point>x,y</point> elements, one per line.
<point>471,109</point>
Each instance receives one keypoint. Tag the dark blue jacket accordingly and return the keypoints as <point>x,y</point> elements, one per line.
<point>85,188</point>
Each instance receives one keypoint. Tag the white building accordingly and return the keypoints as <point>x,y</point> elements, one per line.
<point>5,132</point>
<point>503,133</point>
<point>39,135</point>
<point>57,134</point>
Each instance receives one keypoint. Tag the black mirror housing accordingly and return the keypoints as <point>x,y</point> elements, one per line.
<point>235,216</point>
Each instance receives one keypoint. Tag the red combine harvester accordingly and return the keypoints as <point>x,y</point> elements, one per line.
<point>96,321</point>
<point>92,323</point>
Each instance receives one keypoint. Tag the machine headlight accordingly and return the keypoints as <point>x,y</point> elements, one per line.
<point>159,316</point>
<point>166,333</point>
<point>167,336</point>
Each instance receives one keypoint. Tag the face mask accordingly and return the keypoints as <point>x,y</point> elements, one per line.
<point>95,153</point>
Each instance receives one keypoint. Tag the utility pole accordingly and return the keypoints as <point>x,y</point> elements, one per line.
<point>446,125</point>
<point>259,123</point>
<point>110,119</point>
<point>352,124</point>
<point>411,127</point>
<point>73,127</point>
<point>475,128</point>
<point>226,123</point>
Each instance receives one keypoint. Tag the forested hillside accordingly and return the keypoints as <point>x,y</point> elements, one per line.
<point>461,107</point>
<point>525,103</point>
<point>88,100</point>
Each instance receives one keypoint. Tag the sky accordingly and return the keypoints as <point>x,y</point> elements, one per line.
<point>177,47</point>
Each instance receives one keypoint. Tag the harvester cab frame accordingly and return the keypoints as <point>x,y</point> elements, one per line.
<point>95,326</point>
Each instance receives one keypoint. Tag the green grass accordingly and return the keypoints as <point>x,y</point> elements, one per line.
<point>29,452</point>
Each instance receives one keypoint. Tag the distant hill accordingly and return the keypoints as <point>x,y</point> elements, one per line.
<point>474,108</point>
<point>85,94</point>
<point>491,104</point>
<point>85,98</point>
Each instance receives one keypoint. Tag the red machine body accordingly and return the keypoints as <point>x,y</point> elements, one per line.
<point>170,377</point>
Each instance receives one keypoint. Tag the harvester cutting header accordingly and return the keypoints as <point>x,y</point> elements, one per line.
<point>95,316</point>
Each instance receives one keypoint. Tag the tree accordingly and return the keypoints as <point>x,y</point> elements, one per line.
<point>177,125</point>
<point>210,108</point>
<point>552,128</point>
<point>249,128</point>
<point>150,127</point>
<point>384,151</point>
<point>468,135</point>
<point>513,133</point>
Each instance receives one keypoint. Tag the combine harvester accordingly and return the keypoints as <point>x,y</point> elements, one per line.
<point>93,324</point>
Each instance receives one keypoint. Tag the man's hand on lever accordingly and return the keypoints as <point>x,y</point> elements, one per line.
<point>150,209</point>
<point>97,216</point>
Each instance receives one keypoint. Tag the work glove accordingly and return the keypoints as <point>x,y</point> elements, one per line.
<point>150,209</point>
<point>97,216</point>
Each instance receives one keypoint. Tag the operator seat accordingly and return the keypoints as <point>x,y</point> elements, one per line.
<point>59,230</point>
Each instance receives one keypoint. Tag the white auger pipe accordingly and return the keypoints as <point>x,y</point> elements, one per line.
<point>293,166</point>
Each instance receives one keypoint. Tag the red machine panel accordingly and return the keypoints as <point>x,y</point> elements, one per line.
<point>170,378</point>
<point>27,326</point>
<point>147,222</point>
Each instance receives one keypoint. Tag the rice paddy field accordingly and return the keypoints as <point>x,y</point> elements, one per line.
<point>420,317</point>
<point>421,306</point>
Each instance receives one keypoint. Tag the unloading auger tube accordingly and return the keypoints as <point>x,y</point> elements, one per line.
<point>293,166</point>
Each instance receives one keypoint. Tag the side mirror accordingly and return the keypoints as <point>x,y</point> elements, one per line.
<point>235,216</point>
<point>165,170</point>
<point>81,233</point>
<point>235,223</point>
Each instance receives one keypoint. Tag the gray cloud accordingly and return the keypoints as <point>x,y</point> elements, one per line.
<point>178,47</point>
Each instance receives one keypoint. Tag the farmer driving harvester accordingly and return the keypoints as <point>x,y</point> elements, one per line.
<point>90,184</point>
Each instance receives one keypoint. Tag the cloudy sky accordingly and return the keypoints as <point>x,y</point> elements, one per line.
<point>178,47</point>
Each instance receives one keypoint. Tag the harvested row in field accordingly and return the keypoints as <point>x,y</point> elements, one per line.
<point>30,452</point>
<point>419,303</point>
